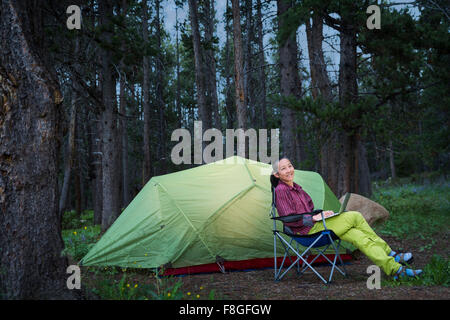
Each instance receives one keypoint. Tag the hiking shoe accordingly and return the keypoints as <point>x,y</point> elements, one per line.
<point>404,272</point>
<point>402,258</point>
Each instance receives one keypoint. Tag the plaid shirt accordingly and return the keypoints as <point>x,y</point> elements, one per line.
<point>294,200</point>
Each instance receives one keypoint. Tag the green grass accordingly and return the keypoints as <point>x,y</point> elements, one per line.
<point>420,212</point>
<point>106,284</point>
<point>415,210</point>
<point>435,273</point>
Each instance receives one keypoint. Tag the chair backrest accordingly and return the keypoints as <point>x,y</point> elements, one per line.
<point>274,183</point>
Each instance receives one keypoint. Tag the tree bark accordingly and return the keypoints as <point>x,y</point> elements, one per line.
<point>203,109</point>
<point>96,164</point>
<point>290,84</point>
<point>124,143</point>
<point>320,82</point>
<point>391,160</point>
<point>240,98</point>
<point>30,119</point>
<point>123,123</point>
<point>229,101</point>
<point>348,94</point>
<point>262,104</point>
<point>71,146</point>
<point>178,92</point>
<point>162,154</point>
<point>321,88</point>
<point>111,209</point>
<point>249,102</point>
<point>211,63</point>
<point>147,165</point>
<point>241,109</point>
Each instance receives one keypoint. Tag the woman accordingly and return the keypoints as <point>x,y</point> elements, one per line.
<point>350,226</point>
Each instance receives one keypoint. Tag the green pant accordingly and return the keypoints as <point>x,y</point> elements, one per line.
<point>351,226</point>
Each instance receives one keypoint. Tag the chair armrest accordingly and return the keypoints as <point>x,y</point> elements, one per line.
<point>289,218</point>
<point>295,217</point>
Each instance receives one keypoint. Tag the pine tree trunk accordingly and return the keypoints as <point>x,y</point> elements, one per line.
<point>146,100</point>
<point>241,109</point>
<point>290,84</point>
<point>321,84</point>
<point>203,109</point>
<point>30,239</point>
<point>124,143</point>
<point>391,160</point>
<point>178,92</point>
<point>229,101</point>
<point>97,182</point>
<point>262,104</point>
<point>321,87</point>
<point>240,98</point>
<point>348,94</point>
<point>248,61</point>
<point>211,63</point>
<point>111,208</point>
<point>71,146</point>
<point>162,154</point>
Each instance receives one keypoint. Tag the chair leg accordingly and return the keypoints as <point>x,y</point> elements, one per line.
<point>275,255</point>
<point>340,259</point>
<point>289,246</point>
<point>336,256</point>
<point>278,275</point>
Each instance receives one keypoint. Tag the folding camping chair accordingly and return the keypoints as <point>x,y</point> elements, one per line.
<point>319,241</point>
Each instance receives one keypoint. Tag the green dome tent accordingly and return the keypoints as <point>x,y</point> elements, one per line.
<point>192,219</point>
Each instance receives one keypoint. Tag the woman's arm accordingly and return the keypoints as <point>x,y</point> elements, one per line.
<point>318,217</point>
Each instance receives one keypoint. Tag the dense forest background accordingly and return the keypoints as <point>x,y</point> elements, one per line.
<point>86,115</point>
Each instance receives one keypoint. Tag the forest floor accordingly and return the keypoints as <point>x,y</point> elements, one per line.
<point>419,223</point>
<point>260,285</point>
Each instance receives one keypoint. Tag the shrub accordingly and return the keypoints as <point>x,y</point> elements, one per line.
<point>71,220</point>
<point>78,242</point>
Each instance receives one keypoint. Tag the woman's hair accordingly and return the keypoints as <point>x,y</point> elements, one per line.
<point>274,180</point>
<point>276,163</point>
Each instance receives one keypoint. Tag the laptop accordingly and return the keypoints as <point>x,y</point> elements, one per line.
<point>343,206</point>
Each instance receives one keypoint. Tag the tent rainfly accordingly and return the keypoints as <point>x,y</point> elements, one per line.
<point>209,218</point>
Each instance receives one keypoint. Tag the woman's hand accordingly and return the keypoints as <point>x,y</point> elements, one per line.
<point>326,214</point>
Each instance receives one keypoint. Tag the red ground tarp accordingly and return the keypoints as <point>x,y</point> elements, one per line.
<point>245,265</point>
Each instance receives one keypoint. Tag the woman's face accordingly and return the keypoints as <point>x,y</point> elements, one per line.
<point>285,171</point>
